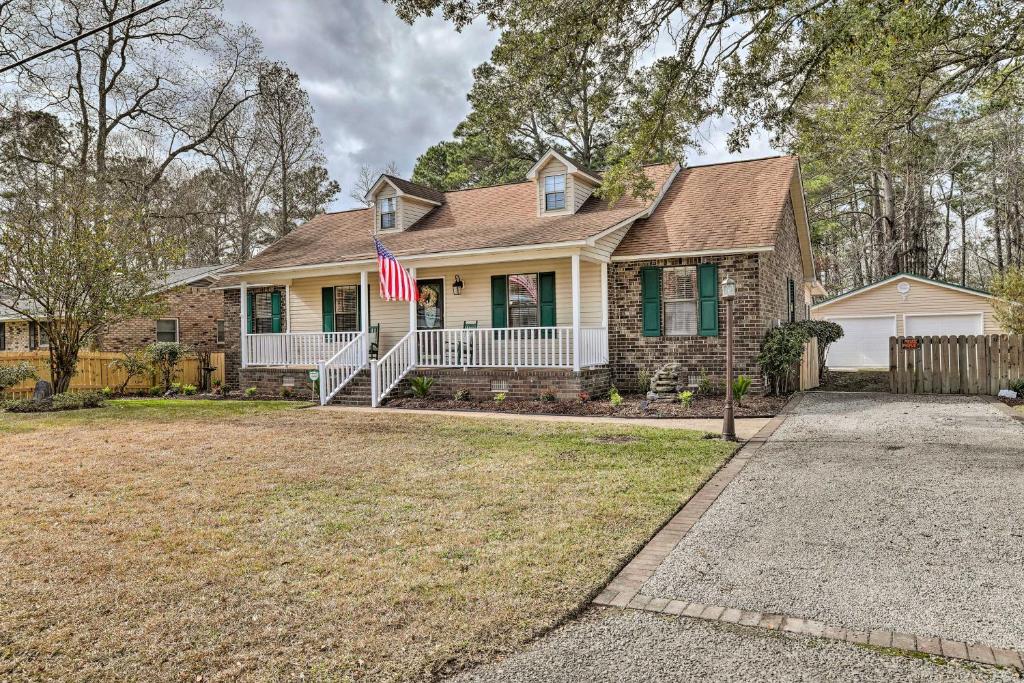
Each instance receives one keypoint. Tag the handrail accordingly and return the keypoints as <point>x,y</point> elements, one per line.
<point>293,348</point>
<point>342,367</point>
<point>386,373</point>
<point>511,347</point>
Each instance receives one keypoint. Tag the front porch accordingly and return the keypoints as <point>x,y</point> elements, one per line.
<point>561,305</point>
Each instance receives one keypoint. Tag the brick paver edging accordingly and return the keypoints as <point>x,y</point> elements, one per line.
<point>624,590</point>
<point>627,583</point>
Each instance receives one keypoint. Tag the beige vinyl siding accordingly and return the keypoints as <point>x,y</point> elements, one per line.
<point>410,211</point>
<point>924,298</point>
<point>385,192</point>
<point>554,167</point>
<point>474,304</point>
<point>581,192</point>
<point>604,247</point>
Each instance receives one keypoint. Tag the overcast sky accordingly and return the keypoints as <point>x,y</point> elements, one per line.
<point>384,90</point>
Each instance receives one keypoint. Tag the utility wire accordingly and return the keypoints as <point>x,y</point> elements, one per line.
<point>72,41</point>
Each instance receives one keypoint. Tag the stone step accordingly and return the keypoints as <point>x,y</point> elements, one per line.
<point>356,392</point>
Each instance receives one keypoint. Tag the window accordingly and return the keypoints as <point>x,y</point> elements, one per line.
<point>679,299</point>
<point>523,301</point>
<point>346,308</point>
<point>37,336</point>
<point>167,330</point>
<point>220,333</point>
<point>386,208</point>
<point>554,192</point>
<point>263,312</point>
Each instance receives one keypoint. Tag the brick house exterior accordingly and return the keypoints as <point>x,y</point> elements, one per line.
<point>740,220</point>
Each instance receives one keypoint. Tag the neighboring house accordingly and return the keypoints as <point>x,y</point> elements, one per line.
<point>901,305</point>
<point>529,287</point>
<point>190,313</point>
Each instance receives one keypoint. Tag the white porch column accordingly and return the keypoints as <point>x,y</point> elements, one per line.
<point>244,323</point>
<point>576,312</point>
<point>288,306</point>
<point>364,312</point>
<point>412,323</point>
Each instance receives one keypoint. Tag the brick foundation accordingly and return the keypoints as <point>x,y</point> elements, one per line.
<point>270,381</point>
<point>522,385</point>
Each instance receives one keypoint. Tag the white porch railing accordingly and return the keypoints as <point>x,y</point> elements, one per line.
<point>295,348</point>
<point>593,346</point>
<point>510,347</point>
<point>339,370</point>
<point>386,373</point>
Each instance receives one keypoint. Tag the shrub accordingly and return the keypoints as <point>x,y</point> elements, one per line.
<point>134,364</point>
<point>69,401</point>
<point>462,395</point>
<point>156,391</point>
<point>548,396</point>
<point>740,387</point>
<point>250,392</point>
<point>1008,303</point>
<point>704,385</point>
<point>500,397</point>
<point>643,379</point>
<point>16,374</point>
<point>421,385</point>
<point>782,349</point>
<point>286,392</point>
<point>165,357</point>
<point>827,333</point>
<point>107,392</point>
<point>188,389</point>
<point>686,398</point>
<point>26,405</point>
<point>614,397</point>
<point>216,382</point>
<point>583,396</point>
<point>1018,386</point>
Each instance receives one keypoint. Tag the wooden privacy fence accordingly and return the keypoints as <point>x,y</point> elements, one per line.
<point>809,370</point>
<point>94,371</point>
<point>981,364</point>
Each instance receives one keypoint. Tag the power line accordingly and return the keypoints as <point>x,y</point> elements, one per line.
<point>72,41</point>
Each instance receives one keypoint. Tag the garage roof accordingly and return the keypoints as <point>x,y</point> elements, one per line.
<point>897,276</point>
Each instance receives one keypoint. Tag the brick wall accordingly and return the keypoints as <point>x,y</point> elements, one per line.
<point>270,381</point>
<point>761,301</point>
<point>232,338</point>
<point>16,335</point>
<point>197,311</point>
<point>523,385</point>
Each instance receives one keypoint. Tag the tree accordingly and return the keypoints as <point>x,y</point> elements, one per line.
<point>285,119</point>
<point>70,262</point>
<point>134,364</point>
<point>1009,302</point>
<point>165,357</point>
<point>367,176</point>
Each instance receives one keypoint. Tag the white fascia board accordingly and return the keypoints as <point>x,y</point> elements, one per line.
<point>689,254</point>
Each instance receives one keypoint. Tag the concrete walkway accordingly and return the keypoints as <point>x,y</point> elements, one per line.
<point>745,427</point>
<point>864,519</point>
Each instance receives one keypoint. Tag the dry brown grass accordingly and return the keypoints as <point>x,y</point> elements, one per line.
<point>261,543</point>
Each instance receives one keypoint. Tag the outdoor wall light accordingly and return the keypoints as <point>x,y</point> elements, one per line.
<point>457,286</point>
<point>728,288</point>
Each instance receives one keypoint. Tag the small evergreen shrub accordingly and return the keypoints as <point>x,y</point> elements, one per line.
<point>189,389</point>
<point>250,392</point>
<point>108,392</point>
<point>643,380</point>
<point>1018,386</point>
<point>614,397</point>
<point>500,397</point>
<point>26,405</point>
<point>740,388</point>
<point>462,395</point>
<point>686,398</point>
<point>548,396</point>
<point>704,385</point>
<point>156,391</point>
<point>421,385</point>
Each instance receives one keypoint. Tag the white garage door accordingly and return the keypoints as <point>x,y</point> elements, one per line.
<point>947,323</point>
<point>865,343</point>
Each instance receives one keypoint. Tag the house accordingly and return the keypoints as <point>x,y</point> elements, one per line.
<point>901,305</point>
<point>528,288</point>
<point>189,312</point>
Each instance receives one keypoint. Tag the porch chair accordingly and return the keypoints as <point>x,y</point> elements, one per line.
<point>467,345</point>
<point>374,340</point>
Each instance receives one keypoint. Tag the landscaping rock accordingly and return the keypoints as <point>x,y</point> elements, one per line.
<point>664,382</point>
<point>43,391</point>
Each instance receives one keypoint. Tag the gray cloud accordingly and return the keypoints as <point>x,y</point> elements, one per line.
<point>384,90</point>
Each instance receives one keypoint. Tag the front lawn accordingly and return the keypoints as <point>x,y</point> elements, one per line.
<point>160,540</point>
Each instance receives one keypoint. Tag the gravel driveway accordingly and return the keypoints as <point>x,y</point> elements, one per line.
<point>871,511</point>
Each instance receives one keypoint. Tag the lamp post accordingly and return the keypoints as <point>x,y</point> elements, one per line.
<point>729,424</point>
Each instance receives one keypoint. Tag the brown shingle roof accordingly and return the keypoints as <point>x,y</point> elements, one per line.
<point>421,191</point>
<point>483,218</point>
<point>721,206</point>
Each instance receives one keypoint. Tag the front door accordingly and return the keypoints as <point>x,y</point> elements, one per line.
<point>430,307</point>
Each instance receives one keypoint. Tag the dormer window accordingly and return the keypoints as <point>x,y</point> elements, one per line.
<point>554,192</point>
<point>386,208</point>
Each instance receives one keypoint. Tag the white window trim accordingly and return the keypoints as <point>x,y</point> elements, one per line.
<point>156,329</point>
<point>381,214</point>
<point>565,192</point>
<point>218,325</point>
<point>359,306</point>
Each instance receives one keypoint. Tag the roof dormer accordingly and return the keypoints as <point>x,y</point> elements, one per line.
<point>398,204</point>
<point>563,184</point>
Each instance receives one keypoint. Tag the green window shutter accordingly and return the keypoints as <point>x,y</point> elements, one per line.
<point>327,306</point>
<point>275,311</point>
<point>548,317</point>
<point>707,288</point>
<point>499,301</point>
<point>650,301</point>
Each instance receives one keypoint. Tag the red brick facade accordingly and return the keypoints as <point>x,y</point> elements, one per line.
<point>197,311</point>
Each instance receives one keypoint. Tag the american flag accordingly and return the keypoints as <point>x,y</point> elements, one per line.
<point>395,282</point>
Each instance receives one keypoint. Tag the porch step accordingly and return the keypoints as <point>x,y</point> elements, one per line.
<point>356,392</point>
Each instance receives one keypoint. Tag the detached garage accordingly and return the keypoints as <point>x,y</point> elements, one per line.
<point>902,305</point>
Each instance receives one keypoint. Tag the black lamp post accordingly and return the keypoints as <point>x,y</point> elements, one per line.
<point>729,424</point>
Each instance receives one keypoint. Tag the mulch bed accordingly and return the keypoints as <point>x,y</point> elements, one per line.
<point>1012,402</point>
<point>632,406</point>
<point>861,380</point>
